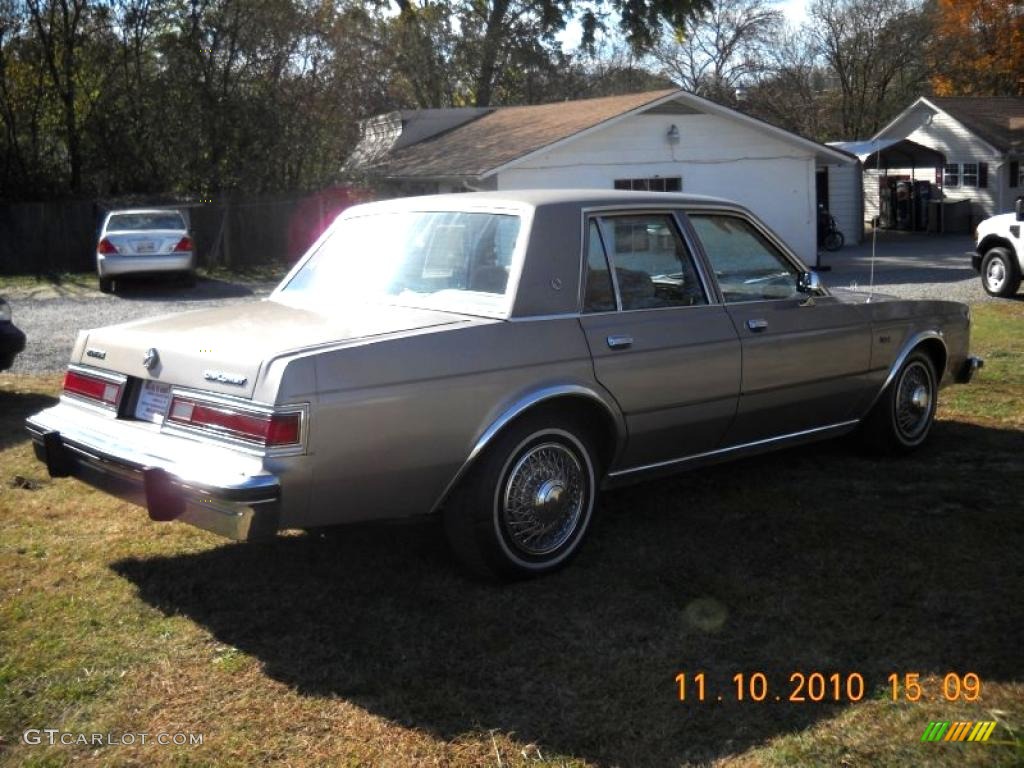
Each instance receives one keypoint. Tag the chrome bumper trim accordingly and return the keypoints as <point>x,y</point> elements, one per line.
<point>240,507</point>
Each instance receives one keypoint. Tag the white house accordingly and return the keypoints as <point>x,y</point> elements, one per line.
<point>666,140</point>
<point>982,139</point>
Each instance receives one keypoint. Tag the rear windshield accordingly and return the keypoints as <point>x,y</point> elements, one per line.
<point>135,221</point>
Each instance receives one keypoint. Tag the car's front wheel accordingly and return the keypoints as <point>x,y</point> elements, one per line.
<point>526,504</point>
<point>902,418</point>
<point>1000,274</point>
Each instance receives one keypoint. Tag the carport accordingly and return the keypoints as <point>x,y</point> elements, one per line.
<point>902,185</point>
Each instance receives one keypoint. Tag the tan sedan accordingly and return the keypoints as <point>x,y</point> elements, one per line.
<point>498,358</point>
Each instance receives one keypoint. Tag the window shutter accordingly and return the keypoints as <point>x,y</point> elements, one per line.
<point>1014,172</point>
<point>982,175</point>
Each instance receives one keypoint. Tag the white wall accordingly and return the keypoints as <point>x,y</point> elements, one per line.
<point>845,195</point>
<point>939,131</point>
<point>715,156</point>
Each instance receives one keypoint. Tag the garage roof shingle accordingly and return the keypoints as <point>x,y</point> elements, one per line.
<point>999,120</point>
<point>503,135</point>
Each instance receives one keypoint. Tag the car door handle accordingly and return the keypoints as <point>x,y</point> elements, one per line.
<point>620,342</point>
<point>757,325</point>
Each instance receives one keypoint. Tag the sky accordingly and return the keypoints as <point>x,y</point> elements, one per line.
<point>795,10</point>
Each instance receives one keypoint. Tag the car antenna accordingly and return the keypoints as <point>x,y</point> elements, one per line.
<point>878,219</point>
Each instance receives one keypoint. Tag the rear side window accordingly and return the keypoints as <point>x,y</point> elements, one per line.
<point>599,293</point>
<point>748,266</point>
<point>653,268</point>
<point>133,222</point>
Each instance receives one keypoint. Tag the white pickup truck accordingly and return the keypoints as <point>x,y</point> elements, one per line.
<point>999,252</point>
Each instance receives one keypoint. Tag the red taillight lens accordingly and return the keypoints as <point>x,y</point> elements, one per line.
<point>106,247</point>
<point>185,244</point>
<point>92,387</point>
<point>275,429</point>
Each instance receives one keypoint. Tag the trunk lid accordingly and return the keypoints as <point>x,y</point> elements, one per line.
<point>223,349</point>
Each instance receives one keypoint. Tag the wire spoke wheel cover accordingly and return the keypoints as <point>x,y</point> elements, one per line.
<point>914,403</point>
<point>545,495</point>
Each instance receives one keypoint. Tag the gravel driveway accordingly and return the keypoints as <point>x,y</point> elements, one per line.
<point>906,264</point>
<point>51,316</point>
<point>910,265</point>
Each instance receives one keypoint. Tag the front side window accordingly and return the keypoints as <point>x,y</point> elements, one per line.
<point>452,260</point>
<point>748,266</point>
<point>951,175</point>
<point>652,266</point>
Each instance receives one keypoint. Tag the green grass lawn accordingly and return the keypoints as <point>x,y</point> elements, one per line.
<point>372,649</point>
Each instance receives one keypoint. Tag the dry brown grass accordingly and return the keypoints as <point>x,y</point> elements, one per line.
<point>373,650</point>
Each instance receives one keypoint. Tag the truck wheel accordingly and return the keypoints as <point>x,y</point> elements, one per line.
<point>1000,274</point>
<point>106,285</point>
<point>525,506</point>
<point>902,418</point>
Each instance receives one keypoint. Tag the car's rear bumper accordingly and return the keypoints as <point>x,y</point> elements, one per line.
<point>12,341</point>
<point>173,478</point>
<point>114,264</point>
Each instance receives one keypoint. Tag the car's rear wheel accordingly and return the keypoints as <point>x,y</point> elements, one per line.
<point>526,504</point>
<point>902,418</point>
<point>106,285</point>
<point>1000,273</point>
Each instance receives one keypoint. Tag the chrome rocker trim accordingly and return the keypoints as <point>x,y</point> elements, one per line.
<point>721,454</point>
<point>238,502</point>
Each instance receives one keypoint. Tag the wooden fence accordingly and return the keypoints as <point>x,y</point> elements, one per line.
<point>53,237</point>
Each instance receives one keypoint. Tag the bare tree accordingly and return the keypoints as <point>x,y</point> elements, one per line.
<point>876,50</point>
<point>724,50</point>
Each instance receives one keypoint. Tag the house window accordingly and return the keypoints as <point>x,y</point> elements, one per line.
<point>655,184</point>
<point>969,175</point>
<point>951,175</point>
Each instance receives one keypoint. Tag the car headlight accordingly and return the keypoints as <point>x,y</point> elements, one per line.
<point>5,312</point>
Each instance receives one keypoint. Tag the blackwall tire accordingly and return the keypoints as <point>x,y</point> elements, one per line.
<point>525,507</point>
<point>1000,273</point>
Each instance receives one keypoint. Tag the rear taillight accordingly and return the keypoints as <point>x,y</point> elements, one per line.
<point>106,247</point>
<point>266,429</point>
<point>185,244</point>
<point>92,388</point>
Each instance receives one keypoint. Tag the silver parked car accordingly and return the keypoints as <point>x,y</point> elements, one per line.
<point>498,357</point>
<point>144,241</point>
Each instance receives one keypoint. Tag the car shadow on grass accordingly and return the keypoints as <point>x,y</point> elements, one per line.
<point>15,407</point>
<point>815,559</point>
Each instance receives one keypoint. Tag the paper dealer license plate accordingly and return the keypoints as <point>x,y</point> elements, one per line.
<point>153,400</point>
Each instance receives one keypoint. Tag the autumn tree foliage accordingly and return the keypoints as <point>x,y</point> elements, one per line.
<point>978,48</point>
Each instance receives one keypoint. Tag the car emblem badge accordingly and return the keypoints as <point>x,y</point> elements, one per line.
<point>151,359</point>
<point>226,378</point>
<point>99,354</point>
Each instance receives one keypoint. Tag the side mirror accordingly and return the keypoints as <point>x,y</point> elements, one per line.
<point>1019,208</point>
<point>808,282</point>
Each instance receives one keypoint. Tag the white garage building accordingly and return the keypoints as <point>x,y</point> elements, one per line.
<point>666,140</point>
